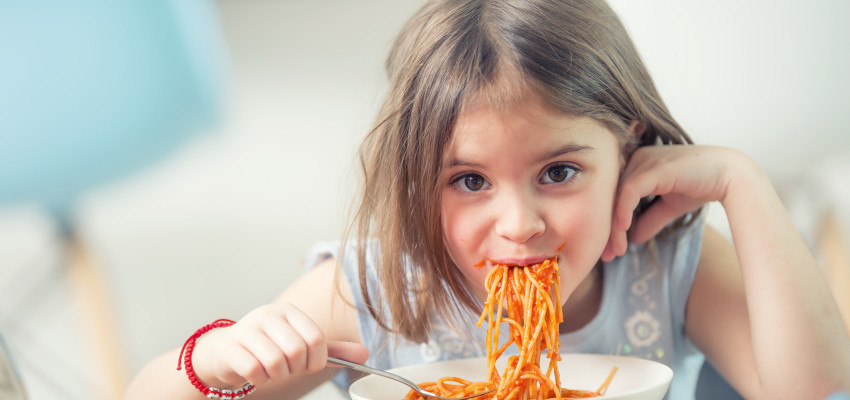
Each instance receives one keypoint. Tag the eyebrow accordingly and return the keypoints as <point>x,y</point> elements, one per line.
<point>566,149</point>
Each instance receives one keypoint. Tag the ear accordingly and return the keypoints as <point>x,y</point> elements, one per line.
<point>632,138</point>
<point>636,129</point>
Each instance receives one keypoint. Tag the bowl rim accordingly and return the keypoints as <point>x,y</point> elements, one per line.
<point>664,371</point>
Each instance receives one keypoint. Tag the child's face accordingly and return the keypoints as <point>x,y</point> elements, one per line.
<point>523,181</point>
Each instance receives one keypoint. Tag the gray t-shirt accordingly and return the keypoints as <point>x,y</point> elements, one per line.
<point>642,313</point>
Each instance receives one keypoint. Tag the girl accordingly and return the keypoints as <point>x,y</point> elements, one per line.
<point>512,128</point>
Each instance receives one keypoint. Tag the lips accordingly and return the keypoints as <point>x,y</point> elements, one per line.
<point>517,261</point>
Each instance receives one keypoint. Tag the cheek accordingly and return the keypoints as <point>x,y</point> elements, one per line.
<point>585,236</point>
<point>465,226</point>
<point>585,221</point>
<point>464,234</point>
<point>455,230</point>
<point>584,231</point>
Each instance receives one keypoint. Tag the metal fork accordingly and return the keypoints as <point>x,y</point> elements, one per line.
<point>370,370</point>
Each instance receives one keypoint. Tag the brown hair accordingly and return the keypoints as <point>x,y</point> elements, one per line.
<point>574,54</point>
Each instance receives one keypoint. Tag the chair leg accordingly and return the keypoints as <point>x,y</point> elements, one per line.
<point>97,313</point>
<point>834,256</point>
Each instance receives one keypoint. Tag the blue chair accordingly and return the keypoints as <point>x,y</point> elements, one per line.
<point>92,90</point>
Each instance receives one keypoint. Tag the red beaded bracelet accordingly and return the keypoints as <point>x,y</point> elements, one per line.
<point>185,361</point>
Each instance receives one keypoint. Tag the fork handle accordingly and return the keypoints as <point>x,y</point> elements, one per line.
<point>370,370</point>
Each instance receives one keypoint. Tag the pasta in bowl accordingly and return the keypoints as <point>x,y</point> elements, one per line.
<point>522,309</point>
<point>636,378</point>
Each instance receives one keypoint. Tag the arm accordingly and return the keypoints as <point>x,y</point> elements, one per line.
<point>280,347</point>
<point>798,343</point>
<point>761,310</point>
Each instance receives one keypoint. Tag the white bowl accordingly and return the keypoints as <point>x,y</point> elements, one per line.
<point>636,378</point>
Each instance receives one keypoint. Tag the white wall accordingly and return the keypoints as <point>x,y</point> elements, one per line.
<point>767,77</point>
<point>220,227</point>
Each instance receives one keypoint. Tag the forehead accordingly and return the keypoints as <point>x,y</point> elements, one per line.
<point>522,127</point>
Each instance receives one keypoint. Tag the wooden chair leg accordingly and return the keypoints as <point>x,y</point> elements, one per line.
<point>834,255</point>
<point>95,306</point>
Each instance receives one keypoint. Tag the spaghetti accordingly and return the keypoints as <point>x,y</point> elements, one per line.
<point>531,296</point>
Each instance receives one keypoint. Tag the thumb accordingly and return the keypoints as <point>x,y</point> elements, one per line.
<point>349,351</point>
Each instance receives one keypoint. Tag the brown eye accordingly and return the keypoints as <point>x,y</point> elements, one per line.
<point>558,173</point>
<point>473,182</point>
<point>470,183</point>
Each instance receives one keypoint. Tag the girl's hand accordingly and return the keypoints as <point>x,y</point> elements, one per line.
<point>274,342</point>
<point>684,177</point>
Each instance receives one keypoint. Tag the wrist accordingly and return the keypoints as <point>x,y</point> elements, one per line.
<point>205,362</point>
<point>185,361</point>
<point>742,177</point>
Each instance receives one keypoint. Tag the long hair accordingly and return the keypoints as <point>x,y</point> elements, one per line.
<point>575,55</point>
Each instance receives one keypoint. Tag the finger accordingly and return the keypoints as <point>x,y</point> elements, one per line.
<point>664,211</point>
<point>627,201</point>
<point>350,351</point>
<point>621,244</point>
<point>614,245</point>
<point>607,253</point>
<point>634,188</point>
<point>290,344</point>
<point>315,351</point>
<point>268,354</point>
<point>244,364</point>
<point>653,220</point>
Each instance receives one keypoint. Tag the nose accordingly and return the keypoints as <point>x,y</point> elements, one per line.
<point>518,218</point>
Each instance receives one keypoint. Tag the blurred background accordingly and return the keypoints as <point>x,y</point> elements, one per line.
<point>169,162</point>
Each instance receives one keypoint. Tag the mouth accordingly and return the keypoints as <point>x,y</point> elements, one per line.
<point>519,261</point>
<point>516,261</point>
